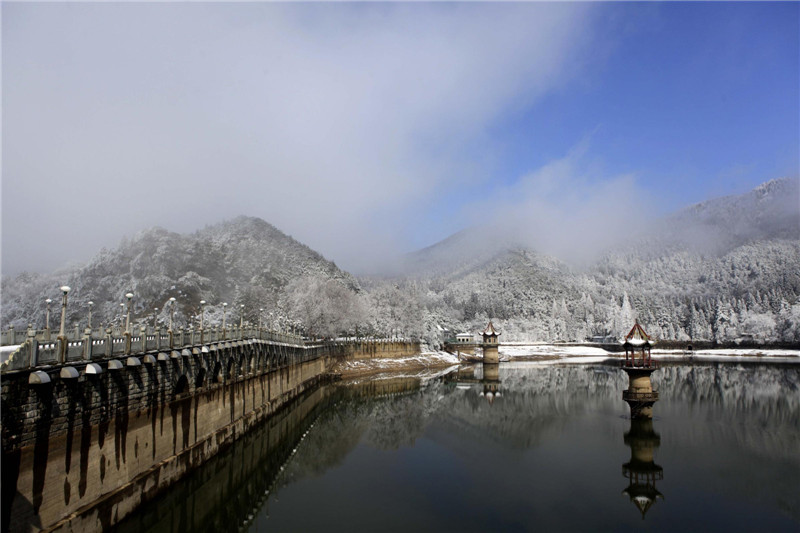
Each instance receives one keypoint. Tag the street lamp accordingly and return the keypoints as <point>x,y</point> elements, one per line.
<point>89,322</point>
<point>171,312</point>
<point>260,314</point>
<point>155,318</point>
<point>129,296</point>
<point>202,312</point>
<point>224,308</point>
<point>47,314</point>
<point>241,317</point>
<point>65,290</point>
<point>121,313</point>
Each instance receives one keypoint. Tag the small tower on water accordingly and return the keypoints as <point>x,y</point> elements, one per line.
<point>640,394</point>
<point>489,345</point>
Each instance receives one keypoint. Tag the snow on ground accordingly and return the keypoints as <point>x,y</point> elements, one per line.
<point>551,349</point>
<point>731,355</point>
<point>580,360</point>
<point>553,353</point>
<point>428,358</point>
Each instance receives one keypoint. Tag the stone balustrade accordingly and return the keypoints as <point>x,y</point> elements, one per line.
<point>43,348</point>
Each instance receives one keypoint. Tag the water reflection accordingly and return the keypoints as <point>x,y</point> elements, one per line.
<point>491,381</point>
<point>641,470</point>
<point>485,374</point>
<point>416,453</point>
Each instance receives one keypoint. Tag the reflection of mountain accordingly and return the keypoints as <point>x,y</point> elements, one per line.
<point>712,418</point>
<point>736,398</point>
<point>537,401</point>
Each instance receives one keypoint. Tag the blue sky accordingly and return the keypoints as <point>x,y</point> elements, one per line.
<point>366,130</point>
<point>696,100</point>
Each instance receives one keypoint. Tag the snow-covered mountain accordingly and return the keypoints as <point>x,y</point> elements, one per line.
<point>725,269</point>
<point>242,261</point>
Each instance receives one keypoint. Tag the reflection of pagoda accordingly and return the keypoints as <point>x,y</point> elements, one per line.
<point>489,345</point>
<point>641,471</point>
<point>491,381</point>
<point>640,394</point>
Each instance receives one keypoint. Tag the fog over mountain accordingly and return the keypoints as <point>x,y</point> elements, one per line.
<point>242,261</point>
<point>722,270</point>
<point>718,270</point>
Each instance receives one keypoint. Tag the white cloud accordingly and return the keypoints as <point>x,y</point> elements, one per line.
<point>570,208</point>
<point>333,122</point>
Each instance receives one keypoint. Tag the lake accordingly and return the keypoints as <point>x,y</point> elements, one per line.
<point>531,447</point>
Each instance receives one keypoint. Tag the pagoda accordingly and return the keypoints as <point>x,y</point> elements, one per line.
<point>639,394</point>
<point>490,354</point>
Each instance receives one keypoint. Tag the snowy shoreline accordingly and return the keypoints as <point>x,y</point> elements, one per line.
<point>550,353</point>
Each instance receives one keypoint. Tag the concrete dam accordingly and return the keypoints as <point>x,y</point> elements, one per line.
<point>93,427</point>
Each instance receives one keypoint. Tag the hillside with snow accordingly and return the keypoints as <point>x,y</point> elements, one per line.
<point>724,270</point>
<point>244,261</point>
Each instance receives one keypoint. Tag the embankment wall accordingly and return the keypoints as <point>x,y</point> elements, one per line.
<point>82,452</point>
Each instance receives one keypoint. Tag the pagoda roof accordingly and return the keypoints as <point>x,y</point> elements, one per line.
<point>490,330</point>
<point>637,336</point>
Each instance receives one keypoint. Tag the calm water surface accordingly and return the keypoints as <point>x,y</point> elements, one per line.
<point>554,451</point>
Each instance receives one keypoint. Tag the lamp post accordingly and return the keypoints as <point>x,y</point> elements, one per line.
<point>260,314</point>
<point>155,319</point>
<point>65,290</point>
<point>241,318</point>
<point>171,313</point>
<point>202,312</point>
<point>224,311</point>
<point>171,320</point>
<point>89,321</point>
<point>62,339</point>
<point>47,314</point>
<point>129,296</point>
<point>121,313</point>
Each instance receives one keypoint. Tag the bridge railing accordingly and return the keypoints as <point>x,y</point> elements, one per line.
<point>42,348</point>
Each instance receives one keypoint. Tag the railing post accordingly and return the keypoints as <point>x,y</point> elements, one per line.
<point>34,348</point>
<point>62,348</point>
<point>109,341</point>
<point>127,342</point>
<point>87,344</point>
<point>143,331</point>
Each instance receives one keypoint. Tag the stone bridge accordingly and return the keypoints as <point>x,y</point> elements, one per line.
<point>94,423</point>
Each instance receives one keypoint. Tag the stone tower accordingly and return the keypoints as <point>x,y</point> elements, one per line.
<point>489,344</point>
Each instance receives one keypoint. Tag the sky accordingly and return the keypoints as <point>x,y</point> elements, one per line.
<point>365,130</point>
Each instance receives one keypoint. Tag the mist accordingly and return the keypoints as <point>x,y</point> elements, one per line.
<point>342,125</point>
<point>571,210</point>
